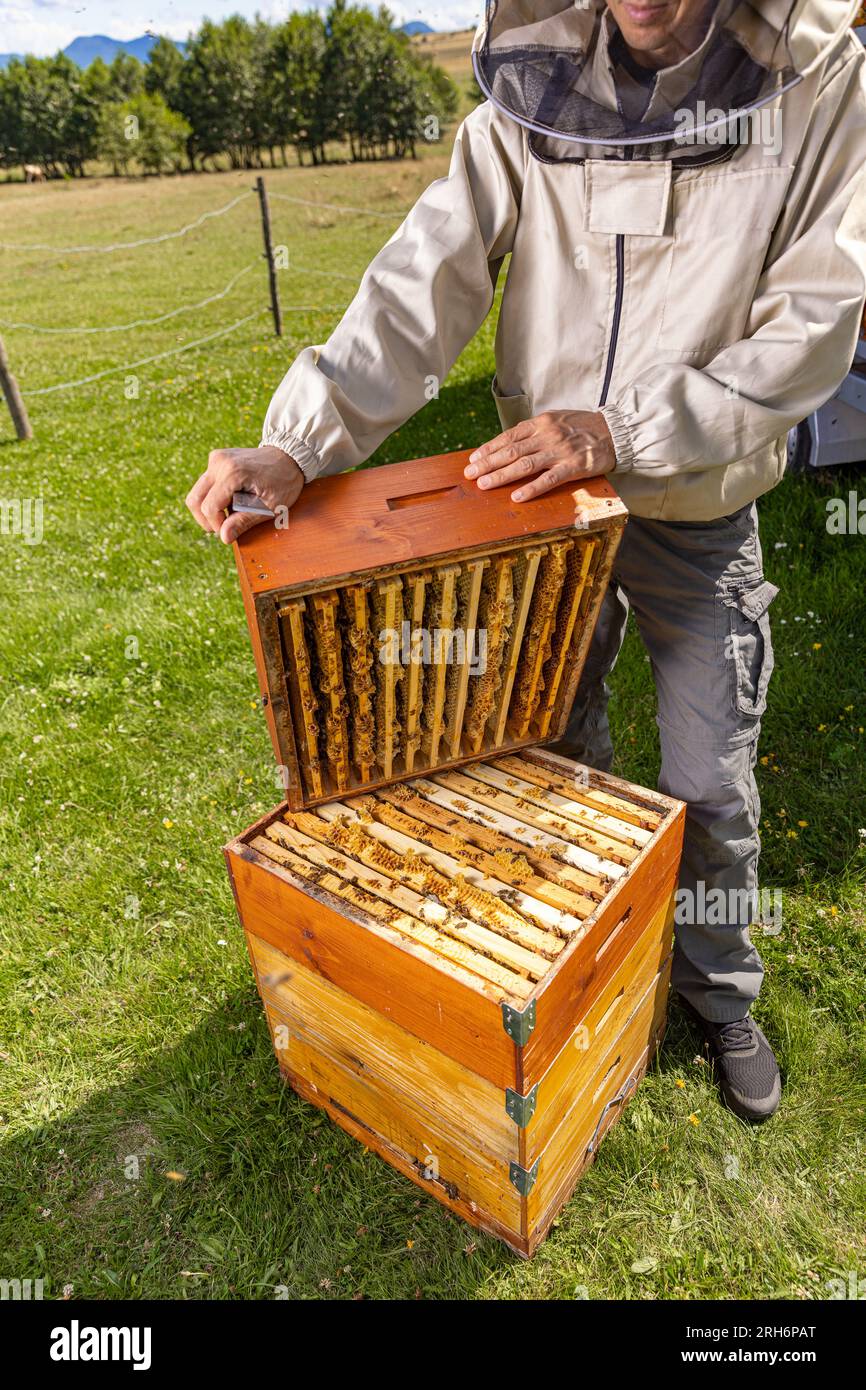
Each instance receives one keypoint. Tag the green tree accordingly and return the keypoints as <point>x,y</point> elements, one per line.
<point>78,132</point>
<point>220,89</point>
<point>348,79</point>
<point>293,79</point>
<point>163,74</point>
<point>49,118</point>
<point>10,124</point>
<point>377,92</point>
<point>164,134</point>
<point>116,137</point>
<point>127,76</point>
<point>143,131</point>
<point>98,82</point>
<point>339,78</point>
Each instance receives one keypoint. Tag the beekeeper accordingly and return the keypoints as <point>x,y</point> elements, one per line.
<point>680,184</point>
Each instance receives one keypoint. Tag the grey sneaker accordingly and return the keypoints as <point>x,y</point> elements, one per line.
<point>746,1070</point>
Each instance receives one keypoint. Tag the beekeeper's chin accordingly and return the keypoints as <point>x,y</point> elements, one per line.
<point>661,32</point>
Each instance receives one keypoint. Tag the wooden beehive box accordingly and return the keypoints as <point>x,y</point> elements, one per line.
<point>469,972</point>
<point>462,942</point>
<point>370,558</point>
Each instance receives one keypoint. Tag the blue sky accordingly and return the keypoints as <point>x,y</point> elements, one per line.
<point>43,26</point>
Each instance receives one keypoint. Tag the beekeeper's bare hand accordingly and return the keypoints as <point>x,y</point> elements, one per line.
<point>268,473</point>
<point>556,447</point>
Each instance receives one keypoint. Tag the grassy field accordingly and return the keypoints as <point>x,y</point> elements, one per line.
<point>148,1148</point>
<point>451,51</point>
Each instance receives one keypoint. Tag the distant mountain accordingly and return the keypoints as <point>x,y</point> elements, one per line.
<point>84,50</point>
<point>417,26</point>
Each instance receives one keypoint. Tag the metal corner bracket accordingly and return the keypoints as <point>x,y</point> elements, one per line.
<point>521,1108</point>
<point>523,1178</point>
<point>519,1023</point>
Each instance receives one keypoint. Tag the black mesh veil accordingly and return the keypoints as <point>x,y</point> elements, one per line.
<point>649,79</point>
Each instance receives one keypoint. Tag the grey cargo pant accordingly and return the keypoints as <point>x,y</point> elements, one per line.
<point>700,600</point>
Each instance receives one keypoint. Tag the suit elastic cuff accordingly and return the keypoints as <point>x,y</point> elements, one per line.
<point>309,462</point>
<point>621,434</point>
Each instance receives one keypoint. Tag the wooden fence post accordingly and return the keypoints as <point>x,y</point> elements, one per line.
<point>16,405</point>
<point>269,256</point>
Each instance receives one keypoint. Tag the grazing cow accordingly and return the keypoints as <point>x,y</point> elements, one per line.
<point>33,173</point>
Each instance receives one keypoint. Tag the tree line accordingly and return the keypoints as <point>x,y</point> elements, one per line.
<point>240,91</point>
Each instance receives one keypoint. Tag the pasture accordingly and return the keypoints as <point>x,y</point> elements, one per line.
<point>147,1146</point>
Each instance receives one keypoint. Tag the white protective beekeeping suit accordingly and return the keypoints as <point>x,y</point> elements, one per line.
<point>688,257</point>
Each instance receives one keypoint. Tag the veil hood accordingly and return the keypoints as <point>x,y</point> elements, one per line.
<point>562,69</point>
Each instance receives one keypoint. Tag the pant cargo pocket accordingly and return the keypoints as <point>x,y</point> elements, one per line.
<point>748,646</point>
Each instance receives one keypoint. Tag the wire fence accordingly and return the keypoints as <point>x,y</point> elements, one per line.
<point>136,323</point>
<point>145,361</point>
<point>335,207</point>
<point>192,307</point>
<point>127,245</point>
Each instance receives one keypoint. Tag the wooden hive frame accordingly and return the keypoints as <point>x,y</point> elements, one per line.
<point>471,967</point>
<point>414,546</point>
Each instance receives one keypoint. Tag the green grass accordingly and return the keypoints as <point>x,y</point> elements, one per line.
<point>133,1043</point>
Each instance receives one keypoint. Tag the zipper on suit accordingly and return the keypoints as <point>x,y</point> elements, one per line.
<point>617,316</point>
<point>628,154</point>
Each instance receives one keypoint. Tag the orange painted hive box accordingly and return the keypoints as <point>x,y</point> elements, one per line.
<point>463,952</point>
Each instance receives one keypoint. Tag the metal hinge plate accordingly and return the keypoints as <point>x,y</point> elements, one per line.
<point>523,1178</point>
<point>519,1023</point>
<point>521,1108</point>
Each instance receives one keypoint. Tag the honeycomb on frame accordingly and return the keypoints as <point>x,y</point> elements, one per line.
<point>404,621</point>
